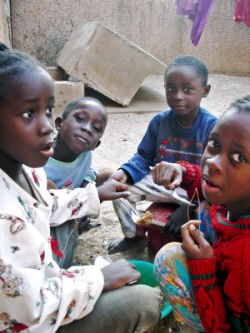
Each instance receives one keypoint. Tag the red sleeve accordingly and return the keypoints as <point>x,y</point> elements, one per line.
<point>208,296</point>
<point>192,179</point>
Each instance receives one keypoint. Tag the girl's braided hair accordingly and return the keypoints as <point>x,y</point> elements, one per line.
<point>14,65</point>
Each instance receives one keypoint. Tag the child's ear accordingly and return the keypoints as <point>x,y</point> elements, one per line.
<point>97,145</point>
<point>206,90</point>
<point>58,123</point>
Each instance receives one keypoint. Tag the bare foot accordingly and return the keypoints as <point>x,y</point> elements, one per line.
<point>123,244</point>
<point>85,224</point>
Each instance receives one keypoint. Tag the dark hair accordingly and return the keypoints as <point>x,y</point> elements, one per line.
<point>71,106</point>
<point>242,104</point>
<point>13,65</point>
<point>189,61</point>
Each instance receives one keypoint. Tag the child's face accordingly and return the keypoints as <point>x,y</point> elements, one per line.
<point>83,128</point>
<point>26,120</point>
<point>225,163</point>
<point>184,91</point>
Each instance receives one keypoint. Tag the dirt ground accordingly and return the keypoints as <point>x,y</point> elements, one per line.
<point>122,135</point>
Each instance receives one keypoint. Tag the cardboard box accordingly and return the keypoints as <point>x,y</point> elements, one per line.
<point>107,62</point>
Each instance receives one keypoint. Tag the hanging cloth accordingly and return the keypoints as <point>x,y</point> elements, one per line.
<point>242,12</point>
<point>197,11</point>
<point>186,7</point>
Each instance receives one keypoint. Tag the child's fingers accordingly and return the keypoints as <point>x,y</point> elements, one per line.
<point>189,243</point>
<point>124,194</point>
<point>186,235</point>
<point>157,174</point>
<point>162,173</point>
<point>119,176</point>
<point>194,243</point>
<point>116,186</point>
<point>175,182</point>
<point>166,179</point>
<point>185,228</point>
<point>198,236</point>
<point>121,187</point>
<point>195,233</point>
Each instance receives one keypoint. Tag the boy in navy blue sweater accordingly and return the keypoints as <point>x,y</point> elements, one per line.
<point>179,133</point>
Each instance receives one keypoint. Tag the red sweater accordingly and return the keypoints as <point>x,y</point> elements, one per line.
<point>222,284</point>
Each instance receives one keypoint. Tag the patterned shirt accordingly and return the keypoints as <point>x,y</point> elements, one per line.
<point>35,294</point>
<point>166,140</point>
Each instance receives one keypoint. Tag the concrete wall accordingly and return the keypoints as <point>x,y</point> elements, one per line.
<point>42,28</point>
<point>5,23</point>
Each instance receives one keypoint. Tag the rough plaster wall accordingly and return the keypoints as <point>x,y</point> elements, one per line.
<point>42,27</point>
<point>5,30</point>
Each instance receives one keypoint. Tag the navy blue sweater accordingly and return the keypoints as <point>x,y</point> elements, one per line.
<point>166,140</point>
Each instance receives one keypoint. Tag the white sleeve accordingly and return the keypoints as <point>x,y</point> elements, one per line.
<point>35,294</point>
<point>70,204</point>
<point>44,298</point>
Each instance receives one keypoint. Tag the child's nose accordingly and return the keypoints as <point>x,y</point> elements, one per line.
<point>46,125</point>
<point>87,127</point>
<point>179,94</point>
<point>215,163</point>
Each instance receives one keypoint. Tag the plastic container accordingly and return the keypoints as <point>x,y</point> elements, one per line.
<point>147,277</point>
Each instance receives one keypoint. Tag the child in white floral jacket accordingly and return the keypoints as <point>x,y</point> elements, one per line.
<point>35,294</point>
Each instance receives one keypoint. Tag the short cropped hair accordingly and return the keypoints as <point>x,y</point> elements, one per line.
<point>189,61</point>
<point>71,106</point>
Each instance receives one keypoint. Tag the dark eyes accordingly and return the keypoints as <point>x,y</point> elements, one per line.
<point>171,89</point>
<point>83,120</point>
<point>187,90</point>
<point>97,129</point>
<point>235,157</point>
<point>29,114</point>
<point>212,143</point>
<point>238,158</point>
<point>49,111</point>
<point>79,119</point>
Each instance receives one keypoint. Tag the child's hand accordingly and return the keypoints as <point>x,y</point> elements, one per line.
<point>193,242</point>
<point>112,190</point>
<point>120,176</point>
<point>118,274</point>
<point>51,185</point>
<point>177,219</point>
<point>168,174</point>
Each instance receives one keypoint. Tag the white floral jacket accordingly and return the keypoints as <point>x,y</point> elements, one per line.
<point>35,294</point>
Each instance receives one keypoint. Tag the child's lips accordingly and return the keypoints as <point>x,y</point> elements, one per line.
<point>209,186</point>
<point>179,107</point>
<point>82,139</point>
<point>47,150</point>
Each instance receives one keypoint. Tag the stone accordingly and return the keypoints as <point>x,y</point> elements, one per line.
<point>57,73</point>
<point>65,92</point>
